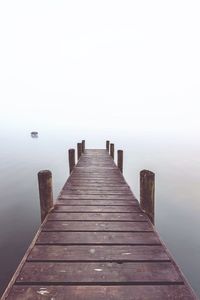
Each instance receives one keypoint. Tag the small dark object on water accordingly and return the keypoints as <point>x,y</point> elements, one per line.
<point>34,133</point>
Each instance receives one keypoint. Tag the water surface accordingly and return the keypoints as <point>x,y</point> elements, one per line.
<point>174,159</point>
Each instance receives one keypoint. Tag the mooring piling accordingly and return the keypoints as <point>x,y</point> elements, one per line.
<point>107,145</point>
<point>79,150</point>
<point>71,154</point>
<point>120,160</point>
<point>112,150</point>
<point>83,146</point>
<point>45,192</point>
<point>147,191</point>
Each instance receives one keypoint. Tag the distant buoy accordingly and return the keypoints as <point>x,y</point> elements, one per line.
<point>34,133</point>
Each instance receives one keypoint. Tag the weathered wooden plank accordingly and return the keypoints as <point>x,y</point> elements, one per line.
<point>110,173</point>
<point>74,238</point>
<point>106,208</point>
<point>99,164</point>
<point>97,253</point>
<point>98,171</point>
<point>99,168</point>
<point>90,162</point>
<point>102,179</point>
<point>96,226</point>
<point>105,174</point>
<point>107,171</point>
<point>98,216</point>
<point>73,183</point>
<point>126,272</point>
<point>97,192</point>
<point>88,166</point>
<point>96,198</point>
<point>99,196</point>
<point>84,292</point>
<point>97,202</point>
<point>93,183</point>
<point>85,188</point>
<point>92,176</point>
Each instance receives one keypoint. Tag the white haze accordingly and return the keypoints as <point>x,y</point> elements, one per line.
<point>133,65</point>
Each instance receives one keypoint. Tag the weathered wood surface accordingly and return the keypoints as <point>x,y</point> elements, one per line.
<point>120,253</point>
<point>102,238</point>
<point>97,226</point>
<point>46,193</point>
<point>112,292</point>
<point>97,244</point>
<point>111,216</point>
<point>99,272</point>
<point>98,208</point>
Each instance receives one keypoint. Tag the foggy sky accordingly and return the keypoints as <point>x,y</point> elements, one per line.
<point>123,64</point>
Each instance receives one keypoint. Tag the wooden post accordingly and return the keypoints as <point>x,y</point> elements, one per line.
<point>107,145</point>
<point>120,160</point>
<point>112,150</point>
<point>83,146</point>
<point>71,153</point>
<point>79,150</point>
<point>147,190</point>
<point>45,191</point>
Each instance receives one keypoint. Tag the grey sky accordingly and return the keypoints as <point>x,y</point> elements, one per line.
<point>116,61</point>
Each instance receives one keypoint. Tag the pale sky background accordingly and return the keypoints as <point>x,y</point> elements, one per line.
<point>118,64</point>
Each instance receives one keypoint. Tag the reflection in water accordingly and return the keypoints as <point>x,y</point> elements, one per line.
<point>175,163</point>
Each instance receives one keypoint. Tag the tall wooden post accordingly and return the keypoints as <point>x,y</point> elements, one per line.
<point>147,191</point>
<point>107,145</point>
<point>79,150</point>
<point>120,160</point>
<point>112,150</point>
<point>83,146</point>
<point>71,154</point>
<point>45,192</point>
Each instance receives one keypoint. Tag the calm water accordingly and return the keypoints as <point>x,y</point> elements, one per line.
<point>175,160</point>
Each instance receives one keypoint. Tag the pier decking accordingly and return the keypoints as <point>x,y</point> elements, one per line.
<point>97,244</point>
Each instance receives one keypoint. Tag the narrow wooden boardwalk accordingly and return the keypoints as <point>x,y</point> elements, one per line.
<point>96,244</point>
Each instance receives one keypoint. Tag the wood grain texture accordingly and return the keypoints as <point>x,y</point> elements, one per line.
<point>89,272</point>
<point>121,292</point>
<point>63,201</point>
<point>92,208</point>
<point>98,253</point>
<point>132,238</point>
<point>99,196</point>
<point>98,216</point>
<point>96,226</point>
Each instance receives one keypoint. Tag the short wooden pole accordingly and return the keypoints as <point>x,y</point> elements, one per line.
<point>71,153</point>
<point>147,191</point>
<point>120,160</point>
<point>112,150</point>
<point>79,150</point>
<point>107,145</point>
<point>83,146</point>
<point>45,192</point>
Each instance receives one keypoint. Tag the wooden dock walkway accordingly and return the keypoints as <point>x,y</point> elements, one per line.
<point>97,244</point>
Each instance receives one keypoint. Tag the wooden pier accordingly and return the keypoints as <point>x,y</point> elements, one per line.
<point>97,244</point>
